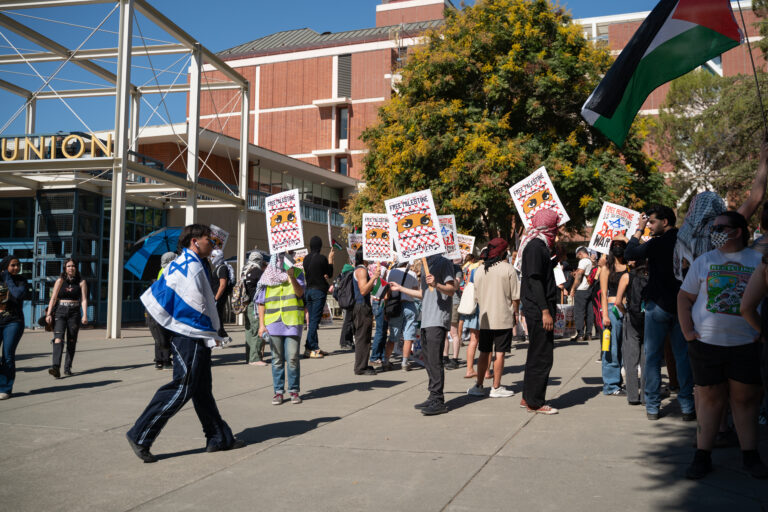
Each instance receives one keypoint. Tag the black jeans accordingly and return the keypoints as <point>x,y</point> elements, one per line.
<point>362,316</point>
<point>162,337</point>
<point>191,380</point>
<point>348,329</point>
<point>582,307</point>
<point>633,356</point>
<point>66,321</point>
<point>538,363</point>
<point>221,306</point>
<point>432,345</point>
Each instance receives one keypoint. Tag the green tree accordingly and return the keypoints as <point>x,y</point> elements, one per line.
<point>709,131</point>
<point>490,97</point>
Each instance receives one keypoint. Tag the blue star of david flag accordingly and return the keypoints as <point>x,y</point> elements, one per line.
<point>182,299</point>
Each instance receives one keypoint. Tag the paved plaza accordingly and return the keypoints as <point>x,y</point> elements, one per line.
<point>356,443</point>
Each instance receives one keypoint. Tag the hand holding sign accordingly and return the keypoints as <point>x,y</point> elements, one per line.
<point>614,221</point>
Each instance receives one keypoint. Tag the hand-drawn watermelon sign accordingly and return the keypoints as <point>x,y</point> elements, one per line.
<point>614,220</point>
<point>377,245</point>
<point>284,228</point>
<point>449,233</point>
<point>414,225</point>
<point>536,193</point>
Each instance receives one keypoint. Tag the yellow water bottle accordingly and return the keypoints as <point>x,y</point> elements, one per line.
<point>607,339</point>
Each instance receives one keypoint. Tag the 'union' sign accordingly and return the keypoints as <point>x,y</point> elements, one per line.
<point>51,147</point>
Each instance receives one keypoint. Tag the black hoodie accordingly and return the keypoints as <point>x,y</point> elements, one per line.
<point>316,266</point>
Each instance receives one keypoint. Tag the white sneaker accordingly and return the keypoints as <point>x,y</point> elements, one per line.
<point>501,392</point>
<point>5,396</point>
<point>476,391</point>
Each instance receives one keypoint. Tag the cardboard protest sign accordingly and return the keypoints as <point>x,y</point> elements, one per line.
<point>535,193</point>
<point>219,237</point>
<point>614,220</point>
<point>377,245</point>
<point>449,232</point>
<point>284,229</point>
<point>298,257</point>
<point>414,225</point>
<point>354,242</point>
<point>466,244</point>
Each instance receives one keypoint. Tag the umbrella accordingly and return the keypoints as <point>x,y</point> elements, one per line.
<point>144,262</point>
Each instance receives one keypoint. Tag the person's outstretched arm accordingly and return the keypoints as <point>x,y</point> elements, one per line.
<point>757,194</point>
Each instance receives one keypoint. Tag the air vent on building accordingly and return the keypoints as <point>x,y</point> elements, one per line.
<point>345,76</point>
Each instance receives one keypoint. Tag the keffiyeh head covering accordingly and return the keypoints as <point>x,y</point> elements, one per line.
<point>273,275</point>
<point>167,258</point>
<point>543,227</point>
<point>693,236</point>
<point>497,250</point>
<point>217,258</point>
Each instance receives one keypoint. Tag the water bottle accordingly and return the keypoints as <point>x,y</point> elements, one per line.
<point>606,339</point>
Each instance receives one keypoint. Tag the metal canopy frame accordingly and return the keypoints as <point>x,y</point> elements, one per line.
<point>126,127</point>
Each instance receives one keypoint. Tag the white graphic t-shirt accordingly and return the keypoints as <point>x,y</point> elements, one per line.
<point>585,264</point>
<point>719,280</point>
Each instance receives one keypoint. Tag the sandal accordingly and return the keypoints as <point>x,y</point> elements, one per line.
<point>470,375</point>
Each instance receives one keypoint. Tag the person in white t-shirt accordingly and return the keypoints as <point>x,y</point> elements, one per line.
<point>582,293</point>
<point>722,346</point>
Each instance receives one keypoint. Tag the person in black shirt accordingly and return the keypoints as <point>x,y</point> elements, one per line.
<point>538,295</point>
<point>69,298</point>
<point>317,270</point>
<point>254,344</point>
<point>661,309</point>
<point>221,284</point>
<point>13,288</point>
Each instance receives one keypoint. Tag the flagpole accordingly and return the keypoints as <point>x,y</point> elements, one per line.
<point>754,71</point>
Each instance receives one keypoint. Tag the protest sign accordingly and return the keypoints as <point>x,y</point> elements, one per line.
<point>536,193</point>
<point>219,237</point>
<point>284,229</point>
<point>354,242</point>
<point>377,245</point>
<point>614,220</point>
<point>298,257</point>
<point>449,232</point>
<point>414,225</point>
<point>466,244</point>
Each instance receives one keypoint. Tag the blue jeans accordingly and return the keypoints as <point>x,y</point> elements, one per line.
<point>285,349</point>
<point>612,359</point>
<point>314,301</point>
<point>10,334</point>
<point>380,338</point>
<point>659,323</point>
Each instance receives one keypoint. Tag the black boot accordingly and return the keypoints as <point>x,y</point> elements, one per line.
<point>56,363</point>
<point>70,357</point>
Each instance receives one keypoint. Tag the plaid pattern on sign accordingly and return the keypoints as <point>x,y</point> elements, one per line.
<point>284,222</point>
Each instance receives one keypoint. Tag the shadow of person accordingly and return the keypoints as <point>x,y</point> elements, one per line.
<point>574,397</point>
<point>340,389</point>
<point>161,456</point>
<point>81,385</point>
<point>460,401</point>
<point>283,429</point>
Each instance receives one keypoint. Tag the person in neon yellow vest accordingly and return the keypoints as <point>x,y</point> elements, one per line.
<point>279,301</point>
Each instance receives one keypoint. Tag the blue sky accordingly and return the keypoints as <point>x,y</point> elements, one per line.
<point>217,24</point>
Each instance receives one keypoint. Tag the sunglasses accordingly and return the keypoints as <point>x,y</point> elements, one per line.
<point>719,228</point>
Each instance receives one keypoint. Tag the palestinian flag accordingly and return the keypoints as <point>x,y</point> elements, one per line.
<point>288,262</point>
<point>379,288</point>
<point>675,38</point>
<point>336,245</point>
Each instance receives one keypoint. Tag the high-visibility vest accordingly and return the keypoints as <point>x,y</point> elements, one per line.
<point>281,303</point>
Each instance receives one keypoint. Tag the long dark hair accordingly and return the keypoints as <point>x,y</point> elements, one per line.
<point>64,276</point>
<point>6,262</point>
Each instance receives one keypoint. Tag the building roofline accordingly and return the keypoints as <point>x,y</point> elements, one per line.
<point>641,15</point>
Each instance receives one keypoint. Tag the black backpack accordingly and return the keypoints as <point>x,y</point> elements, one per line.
<point>638,281</point>
<point>344,289</point>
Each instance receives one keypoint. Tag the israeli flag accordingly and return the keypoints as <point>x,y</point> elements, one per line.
<point>182,300</point>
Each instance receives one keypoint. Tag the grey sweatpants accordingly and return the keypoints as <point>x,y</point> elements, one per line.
<point>634,356</point>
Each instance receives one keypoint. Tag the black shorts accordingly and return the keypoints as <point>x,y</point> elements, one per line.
<point>501,339</point>
<point>713,364</point>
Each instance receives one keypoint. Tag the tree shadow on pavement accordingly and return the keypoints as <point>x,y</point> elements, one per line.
<point>81,385</point>
<point>340,389</point>
<point>282,429</point>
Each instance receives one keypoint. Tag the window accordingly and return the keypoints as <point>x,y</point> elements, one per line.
<point>344,76</point>
<point>343,123</point>
<point>341,166</point>
<point>16,217</point>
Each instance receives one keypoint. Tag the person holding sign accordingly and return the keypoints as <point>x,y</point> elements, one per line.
<point>362,313</point>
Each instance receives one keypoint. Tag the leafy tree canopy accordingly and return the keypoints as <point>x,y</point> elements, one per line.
<point>490,97</point>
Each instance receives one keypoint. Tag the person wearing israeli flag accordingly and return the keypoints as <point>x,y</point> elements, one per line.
<point>182,302</point>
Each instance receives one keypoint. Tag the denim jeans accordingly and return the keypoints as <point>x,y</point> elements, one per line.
<point>10,334</point>
<point>612,359</point>
<point>285,349</point>
<point>315,302</point>
<point>659,323</point>
<point>382,327</point>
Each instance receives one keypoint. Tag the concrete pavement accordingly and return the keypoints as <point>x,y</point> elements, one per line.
<point>356,443</point>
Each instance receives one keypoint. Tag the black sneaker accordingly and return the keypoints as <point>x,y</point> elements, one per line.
<point>68,373</point>
<point>141,452</point>
<point>423,404</point>
<point>618,392</point>
<point>701,465</point>
<point>574,338</point>
<point>757,470</point>
<point>653,416</point>
<point>689,416</point>
<point>237,443</point>
<point>435,408</point>
<point>168,366</point>
<point>452,364</point>
<point>367,371</point>
<point>53,370</point>
<point>158,365</point>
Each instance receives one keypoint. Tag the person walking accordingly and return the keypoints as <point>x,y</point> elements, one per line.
<point>582,295</point>
<point>661,309</point>
<point>67,310</point>
<point>162,336</point>
<point>254,344</point>
<point>362,313</point>
<point>279,299</point>
<point>438,285</point>
<point>318,269</point>
<point>725,359</point>
<point>633,329</point>
<point>222,283</point>
<point>182,302</point>
<point>13,290</point>
<point>538,295</point>
<point>613,284</point>
<point>497,293</point>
